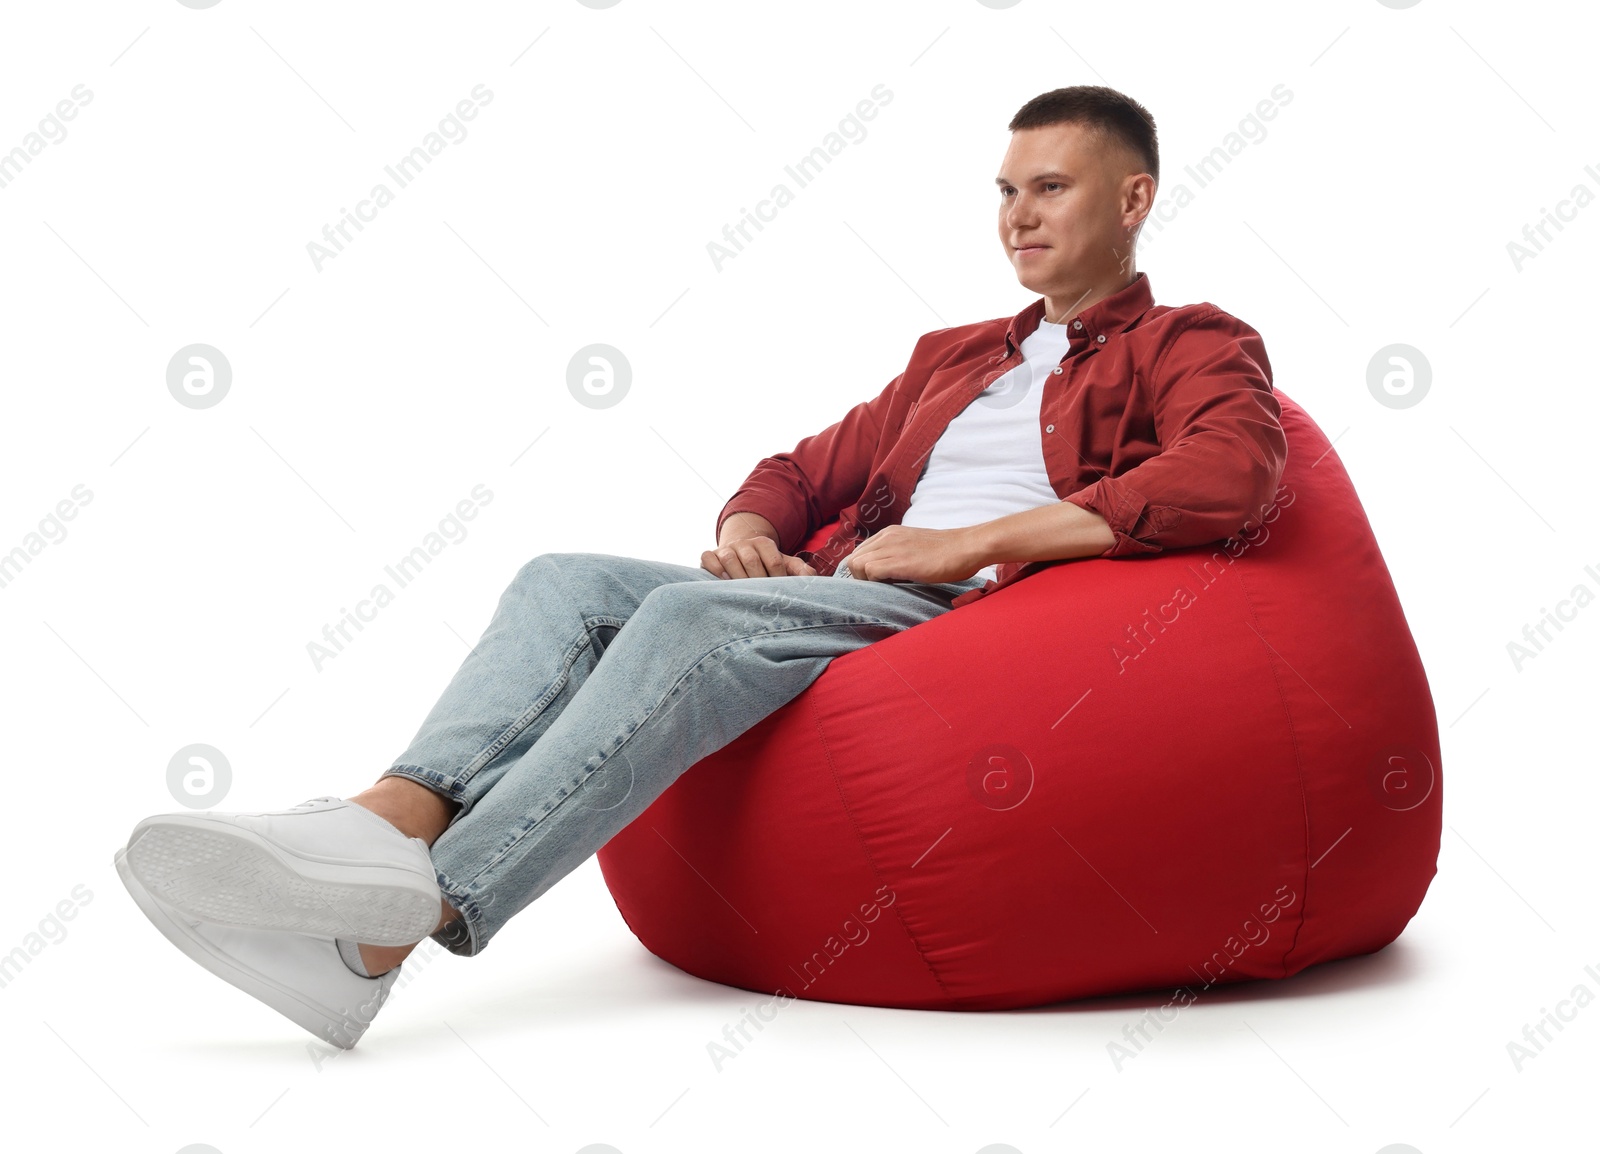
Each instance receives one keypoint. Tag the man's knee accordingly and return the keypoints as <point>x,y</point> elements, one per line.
<point>673,597</point>
<point>736,606</point>
<point>545,563</point>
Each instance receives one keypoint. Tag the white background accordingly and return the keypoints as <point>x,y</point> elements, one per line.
<point>369,397</point>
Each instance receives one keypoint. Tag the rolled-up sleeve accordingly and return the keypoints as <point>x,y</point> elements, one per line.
<point>805,488</point>
<point>1222,446</point>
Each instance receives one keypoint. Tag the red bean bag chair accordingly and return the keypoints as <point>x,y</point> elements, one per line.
<point>1163,772</point>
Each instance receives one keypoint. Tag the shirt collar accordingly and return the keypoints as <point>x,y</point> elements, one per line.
<point>1111,314</point>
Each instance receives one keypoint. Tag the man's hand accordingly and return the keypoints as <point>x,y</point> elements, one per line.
<point>902,553</point>
<point>753,557</point>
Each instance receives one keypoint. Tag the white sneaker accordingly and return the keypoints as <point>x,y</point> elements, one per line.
<point>301,977</point>
<point>326,867</point>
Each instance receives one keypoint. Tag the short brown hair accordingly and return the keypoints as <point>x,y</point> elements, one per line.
<point>1108,112</point>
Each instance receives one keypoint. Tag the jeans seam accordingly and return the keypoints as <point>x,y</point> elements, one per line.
<point>531,714</point>
<point>670,693</point>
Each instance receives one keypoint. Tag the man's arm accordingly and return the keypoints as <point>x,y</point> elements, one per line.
<point>798,491</point>
<point>1222,446</point>
<point>744,525</point>
<point>1049,532</point>
<point>747,547</point>
<point>1222,454</point>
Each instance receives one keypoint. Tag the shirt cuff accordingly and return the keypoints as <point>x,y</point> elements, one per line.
<point>972,595</point>
<point>1125,510</point>
<point>790,525</point>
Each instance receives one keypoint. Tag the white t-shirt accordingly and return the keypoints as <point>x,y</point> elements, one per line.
<point>989,461</point>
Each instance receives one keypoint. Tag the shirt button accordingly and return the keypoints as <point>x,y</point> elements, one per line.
<point>1101,339</point>
<point>1049,428</point>
<point>1056,370</point>
<point>1077,324</point>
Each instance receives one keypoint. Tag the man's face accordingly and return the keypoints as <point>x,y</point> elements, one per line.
<point>1066,201</point>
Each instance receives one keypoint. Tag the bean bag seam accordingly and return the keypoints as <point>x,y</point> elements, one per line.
<point>866,850</point>
<point>1300,772</point>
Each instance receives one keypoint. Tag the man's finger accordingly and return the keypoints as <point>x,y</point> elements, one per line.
<point>750,557</point>
<point>710,562</point>
<point>771,559</point>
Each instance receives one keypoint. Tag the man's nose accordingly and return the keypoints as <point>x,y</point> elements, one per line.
<point>1020,211</point>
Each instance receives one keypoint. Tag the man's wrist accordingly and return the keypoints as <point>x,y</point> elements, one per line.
<point>974,543</point>
<point>741,525</point>
<point>1061,530</point>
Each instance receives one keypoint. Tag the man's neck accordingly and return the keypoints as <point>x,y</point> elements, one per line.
<point>1065,308</point>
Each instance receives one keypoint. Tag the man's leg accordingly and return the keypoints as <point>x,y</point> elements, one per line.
<point>698,663</point>
<point>551,627</point>
<point>548,633</point>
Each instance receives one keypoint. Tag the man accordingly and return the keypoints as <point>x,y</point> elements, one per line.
<point>1091,424</point>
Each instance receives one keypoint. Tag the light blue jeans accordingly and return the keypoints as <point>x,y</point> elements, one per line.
<point>601,679</point>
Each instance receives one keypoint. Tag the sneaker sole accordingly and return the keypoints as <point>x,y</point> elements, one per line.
<point>233,877</point>
<point>329,1025</point>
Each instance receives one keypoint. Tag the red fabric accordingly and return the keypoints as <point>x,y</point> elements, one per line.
<point>1162,420</point>
<point>1227,759</point>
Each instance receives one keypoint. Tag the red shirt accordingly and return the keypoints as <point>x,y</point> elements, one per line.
<point>1161,419</point>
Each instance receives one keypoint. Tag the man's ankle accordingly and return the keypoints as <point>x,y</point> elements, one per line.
<point>412,808</point>
<point>379,960</point>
